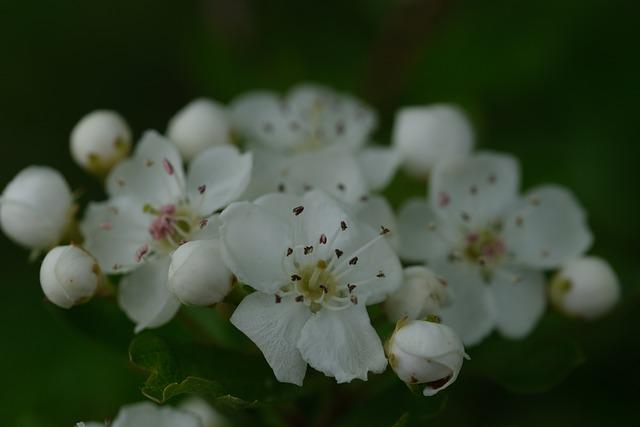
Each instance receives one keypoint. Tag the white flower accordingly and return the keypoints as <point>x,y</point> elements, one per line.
<point>36,207</point>
<point>197,274</point>
<point>430,135</point>
<point>100,140</point>
<point>199,125</point>
<point>208,416</point>
<point>146,414</point>
<point>312,138</point>
<point>491,244</point>
<point>314,268</point>
<point>69,276</point>
<point>422,352</point>
<point>422,293</point>
<point>585,287</point>
<point>152,210</point>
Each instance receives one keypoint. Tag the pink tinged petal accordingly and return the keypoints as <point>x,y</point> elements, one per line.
<point>472,312</point>
<point>547,227</point>
<point>342,344</point>
<point>274,325</point>
<point>520,300</point>
<point>144,295</point>
<point>152,175</point>
<point>218,176</point>
<point>114,232</point>
<point>476,189</point>
<point>254,242</point>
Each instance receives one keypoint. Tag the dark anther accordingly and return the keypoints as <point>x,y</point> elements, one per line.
<point>308,250</point>
<point>351,287</point>
<point>289,251</point>
<point>323,239</point>
<point>353,261</point>
<point>341,186</point>
<point>298,210</point>
<point>339,253</point>
<point>202,188</point>
<point>295,278</point>
<point>278,299</point>
<point>343,225</point>
<point>384,230</point>
<point>380,274</point>
<point>299,298</point>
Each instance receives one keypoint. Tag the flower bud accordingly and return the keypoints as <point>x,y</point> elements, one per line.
<point>200,125</point>
<point>585,287</point>
<point>100,140</point>
<point>36,207</point>
<point>426,136</point>
<point>422,352</point>
<point>69,276</point>
<point>421,293</point>
<point>198,275</point>
<point>207,415</point>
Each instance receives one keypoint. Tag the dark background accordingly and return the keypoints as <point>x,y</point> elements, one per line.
<point>554,82</point>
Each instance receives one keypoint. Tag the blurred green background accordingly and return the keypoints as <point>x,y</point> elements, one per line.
<point>554,82</point>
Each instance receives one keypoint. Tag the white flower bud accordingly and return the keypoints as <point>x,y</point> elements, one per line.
<point>36,207</point>
<point>198,275</point>
<point>421,293</point>
<point>207,415</point>
<point>100,140</point>
<point>585,287</point>
<point>426,136</point>
<point>69,276</point>
<point>422,352</point>
<point>201,124</point>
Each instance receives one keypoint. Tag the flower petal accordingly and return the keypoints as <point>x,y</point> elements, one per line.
<point>275,328</point>
<point>546,228</point>
<point>378,166</point>
<point>471,313</point>
<point>254,244</point>
<point>146,414</point>
<point>217,176</point>
<point>423,236</point>
<point>114,231</point>
<point>154,174</point>
<point>144,295</point>
<point>342,344</point>
<point>475,190</point>
<point>519,301</point>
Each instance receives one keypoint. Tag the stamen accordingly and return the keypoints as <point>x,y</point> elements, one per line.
<point>341,186</point>
<point>281,188</point>
<point>323,239</point>
<point>384,230</point>
<point>298,210</point>
<point>308,250</point>
<point>202,188</point>
<point>299,298</point>
<point>339,253</point>
<point>168,167</point>
<point>295,278</point>
<point>350,287</point>
<point>203,223</point>
<point>278,299</point>
<point>343,225</point>
<point>380,274</point>
<point>289,251</point>
<point>353,261</point>
<point>141,252</point>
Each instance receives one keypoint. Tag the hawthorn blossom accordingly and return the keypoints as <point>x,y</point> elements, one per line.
<point>153,209</point>
<point>146,414</point>
<point>314,268</point>
<point>491,244</point>
<point>312,138</point>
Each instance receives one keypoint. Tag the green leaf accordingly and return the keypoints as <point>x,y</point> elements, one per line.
<point>152,355</point>
<point>533,365</point>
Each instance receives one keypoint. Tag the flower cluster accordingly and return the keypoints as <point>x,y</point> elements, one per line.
<point>280,195</point>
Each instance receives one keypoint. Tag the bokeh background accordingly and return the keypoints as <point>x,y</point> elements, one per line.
<point>553,81</point>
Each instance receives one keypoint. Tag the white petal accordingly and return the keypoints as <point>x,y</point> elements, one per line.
<point>146,414</point>
<point>378,166</point>
<point>520,300</point>
<point>254,244</point>
<point>154,174</point>
<point>144,295</point>
<point>266,176</point>
<point>471,313</point>
<point>114,230</point>
<point>334,171</point>
<point>546,228</point>
<point>423,236</point>
<point>217,176</point>
<point>476,190</point>
<point>342,344</point>
<point>275,329</point>
<point>376,211</point>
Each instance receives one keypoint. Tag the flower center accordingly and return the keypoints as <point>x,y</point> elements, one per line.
<point>485,247</point>
<point>172,226</point>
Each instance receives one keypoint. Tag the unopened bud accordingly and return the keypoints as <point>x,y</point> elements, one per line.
<point>198,275</point>
<point>201,124</point>
<point>69,276</point>
<point>422,352</point>
<point>585,287</point>
<point>36,207</point>
<point>429,135</point>
<point>422,293</point>
<point>99,141</point>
